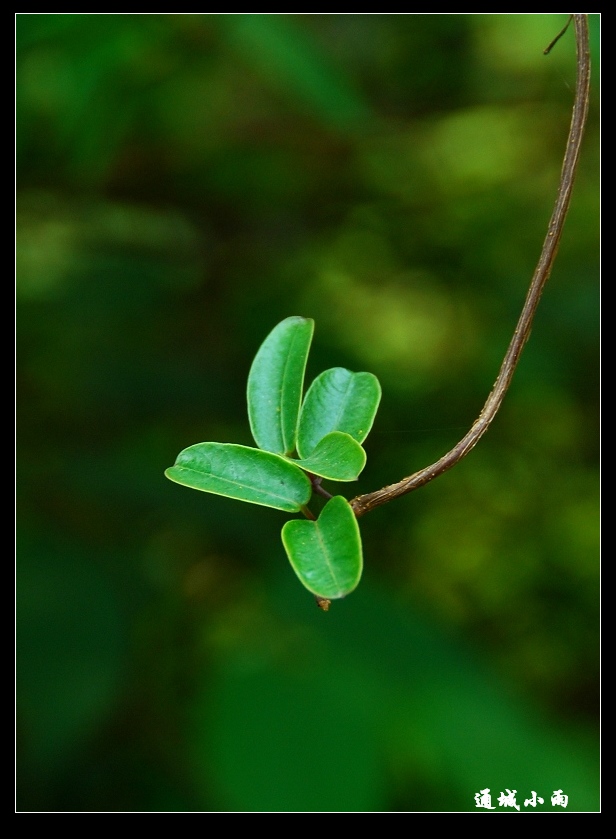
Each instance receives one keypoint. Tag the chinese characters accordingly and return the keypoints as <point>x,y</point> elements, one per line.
<point>483,799</point>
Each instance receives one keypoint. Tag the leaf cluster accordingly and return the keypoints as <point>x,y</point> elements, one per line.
<point>301,441</point>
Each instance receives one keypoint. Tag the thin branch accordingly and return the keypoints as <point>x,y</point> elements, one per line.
<point>365,503</point>
<point>308,512</point>
<point>316,487</point>
<point>555,40</point>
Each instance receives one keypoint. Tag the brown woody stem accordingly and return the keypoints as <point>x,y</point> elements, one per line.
<point>365,503</point>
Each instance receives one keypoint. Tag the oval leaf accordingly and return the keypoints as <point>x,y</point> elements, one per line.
<point>243,473</point>
<point>326,554</point>
<point>337,457</point>
<point>275,385</point>
<point>338,400</point>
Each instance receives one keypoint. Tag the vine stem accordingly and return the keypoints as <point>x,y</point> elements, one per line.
<point>362,504</point>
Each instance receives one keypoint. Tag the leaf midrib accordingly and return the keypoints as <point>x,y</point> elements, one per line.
<point>271,493</point>
<point>328,562</point>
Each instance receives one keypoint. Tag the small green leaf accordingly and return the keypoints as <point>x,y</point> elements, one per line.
<point>326,554</point>
<point>337,456</point>
<point>243,473</point>
<point>338,400</point>
<point>275,385</point>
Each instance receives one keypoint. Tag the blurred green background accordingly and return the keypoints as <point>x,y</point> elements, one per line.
<point>184,182</point>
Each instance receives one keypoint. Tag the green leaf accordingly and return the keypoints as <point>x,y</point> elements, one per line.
<point>337,456</point>
<point>326,554</point>
<point>275,385</point>
<point>338,400</point>
<point>243,473</point>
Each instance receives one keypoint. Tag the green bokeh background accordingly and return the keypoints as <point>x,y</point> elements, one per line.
<point>184,183</point>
